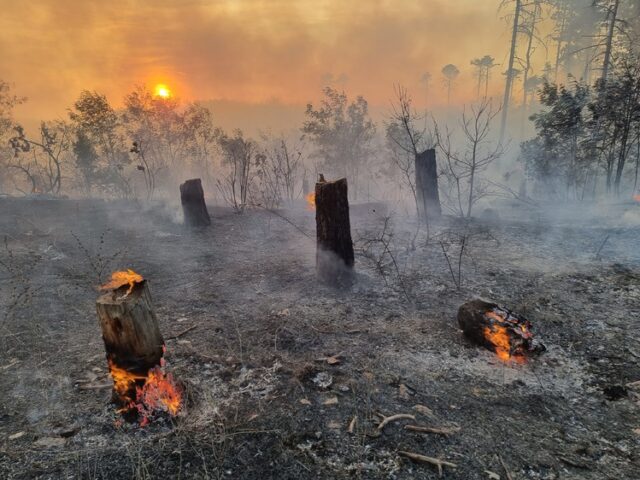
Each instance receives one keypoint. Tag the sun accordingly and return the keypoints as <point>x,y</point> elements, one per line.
<point>162,91</point>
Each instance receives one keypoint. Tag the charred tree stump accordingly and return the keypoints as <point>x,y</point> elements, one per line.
<point>334,253</point>
<point>428,198</point>
<point>193,205</point>
<point>498,329</point>
<point>132,339</point>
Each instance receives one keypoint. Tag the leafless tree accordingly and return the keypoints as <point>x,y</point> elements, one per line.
<point>406,138</point>
<point>239,155</point>
<point>280,167</point>
<point>48,153</point>
<point>463,167</point>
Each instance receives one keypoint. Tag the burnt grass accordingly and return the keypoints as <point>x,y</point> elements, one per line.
<point>277,366</point>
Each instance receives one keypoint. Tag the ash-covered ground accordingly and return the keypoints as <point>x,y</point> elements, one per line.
<point>276,367</point>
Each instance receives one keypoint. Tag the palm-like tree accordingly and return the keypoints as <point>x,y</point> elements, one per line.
<point>450,73</point>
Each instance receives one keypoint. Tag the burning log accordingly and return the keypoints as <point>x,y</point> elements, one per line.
<point>334,253</point>
<point>135,348</point>
<point>427,185</point>
<point>193,205</point>
<point>498,329</point>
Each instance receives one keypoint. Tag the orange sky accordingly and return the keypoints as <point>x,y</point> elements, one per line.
<point>243,51</point>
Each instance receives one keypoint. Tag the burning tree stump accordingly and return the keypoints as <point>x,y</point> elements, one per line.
<point>502,331</point>
<point>334,253</point>
<point>193,205</point>
<point>427,185</point>
<point>130,332</point>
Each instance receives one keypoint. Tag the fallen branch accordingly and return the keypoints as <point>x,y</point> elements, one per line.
<point>352,425</point>
<point>183,332</point>
<point>416,457</point>
<point>386,420</point>
<point>437,430</point>
<point>506,470</point>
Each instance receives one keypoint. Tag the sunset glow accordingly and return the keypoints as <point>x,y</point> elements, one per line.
<point>162,91</point>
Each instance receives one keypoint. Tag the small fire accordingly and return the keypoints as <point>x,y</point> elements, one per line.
<point>498,336</point>
<point>636,197</point>
<point>122,278</point>
<point>159,393</point>
<point>155,392</point>
<point>311,201</point>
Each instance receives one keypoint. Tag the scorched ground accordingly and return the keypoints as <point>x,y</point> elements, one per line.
<point>286,378</point>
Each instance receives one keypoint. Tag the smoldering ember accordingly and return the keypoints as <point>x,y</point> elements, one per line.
<point>318,240</point>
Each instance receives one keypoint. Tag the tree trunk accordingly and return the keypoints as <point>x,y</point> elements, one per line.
<point>131,337</point>
<point>193,206</point>
<point>613,16</point>
<point>334,254</point>
<point>512,55</point>
<point>428,198</point>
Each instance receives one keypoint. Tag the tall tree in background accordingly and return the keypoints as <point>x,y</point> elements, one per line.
<point>531,16</point>
<point>511,71</point>
<point>450,73</point>
<point>611,8</point>
<point>342,133</point>
<point>483,68</point>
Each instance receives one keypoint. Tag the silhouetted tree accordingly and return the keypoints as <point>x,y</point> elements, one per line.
<point>450,73</point>
<point>342,133</point>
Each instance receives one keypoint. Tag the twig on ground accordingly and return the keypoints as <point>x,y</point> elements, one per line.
<point>437,430</point>
<point>506,470</point>
<point>183,332</point>
<point>386,420</point>
<point>352,424</point>
<point>5,367</point>
<point>416,457</point>
<point>283,218</point>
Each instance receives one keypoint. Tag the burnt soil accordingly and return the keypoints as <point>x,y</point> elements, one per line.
<point>276,367</point>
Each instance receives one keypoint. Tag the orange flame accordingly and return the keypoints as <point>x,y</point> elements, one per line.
<point>499,338</point>
<point>123,380</point>
<point>311,201</point>
<point>636,197</point>
<point>159,393</point>
<point>119,279</point>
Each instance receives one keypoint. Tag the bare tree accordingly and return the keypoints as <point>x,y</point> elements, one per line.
<point>462,168</point>
<point>54,144</point>
<point>239,155</point>
<point>406,138</point>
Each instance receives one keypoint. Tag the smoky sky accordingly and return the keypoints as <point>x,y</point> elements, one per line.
<point>244,51</point>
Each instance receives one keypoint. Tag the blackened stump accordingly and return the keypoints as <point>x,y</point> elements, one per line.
<point>193,205</point>
<point>334,253</point>
<point>427,185</point>
<point>132,339</point>
<point>498,329</point>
